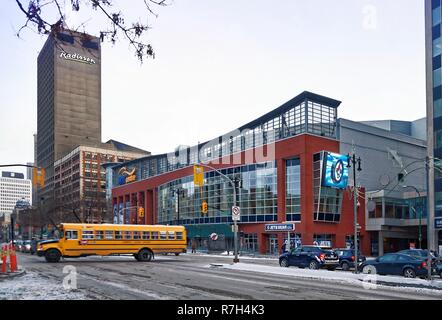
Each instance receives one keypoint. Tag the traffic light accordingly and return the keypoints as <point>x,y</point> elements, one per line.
<point>141,212</point>
<point>38,177</point>
<point>204,207</point>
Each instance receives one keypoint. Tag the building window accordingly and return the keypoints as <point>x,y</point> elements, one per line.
<point>293,190</point>
<point>250,243</point>
<point>257,196</point>
<point>437,50</point>
<point>437,78</point>
<point>323,240</point>
<point>436,16</point>
<point>437,139</point>
<point>438,200</point>
<point>438,108</point>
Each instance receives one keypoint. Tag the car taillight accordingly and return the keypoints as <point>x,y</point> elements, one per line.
<point>424,264</point>
<point>352,258</point>
<point>322,256</point>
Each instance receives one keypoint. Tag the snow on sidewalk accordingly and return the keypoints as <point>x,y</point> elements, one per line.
<point>33,287</point>
<point>343,277</point>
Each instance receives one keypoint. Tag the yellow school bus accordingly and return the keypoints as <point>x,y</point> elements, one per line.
<point>142,241</point>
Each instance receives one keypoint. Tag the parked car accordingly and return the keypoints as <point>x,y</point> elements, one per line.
<point>26,247</point>
<point>347,258</point>
<point>18,245</point>
<point>312,257</point>
<point>418,253</point>
<point>395,264</point>
<point>423,254</point>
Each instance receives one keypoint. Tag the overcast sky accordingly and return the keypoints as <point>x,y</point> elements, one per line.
<point>220,64</point>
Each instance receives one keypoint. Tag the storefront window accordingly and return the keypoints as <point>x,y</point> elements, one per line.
<point>293,190</point>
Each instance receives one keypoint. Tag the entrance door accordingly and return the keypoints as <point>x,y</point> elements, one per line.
<point>273,244</point>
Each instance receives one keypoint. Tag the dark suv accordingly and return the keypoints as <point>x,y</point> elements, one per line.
<point>423,255</point>
<point>312,257</point>
<point>347,258</point>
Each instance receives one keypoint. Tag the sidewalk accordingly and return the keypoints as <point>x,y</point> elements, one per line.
<point>9,275</point>
<point>368,281</point>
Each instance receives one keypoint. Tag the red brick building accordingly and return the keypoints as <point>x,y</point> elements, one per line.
<point>276,162</point>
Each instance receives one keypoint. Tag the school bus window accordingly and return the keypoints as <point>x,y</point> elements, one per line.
<point>109,235</point>
<point>171,235</point>
<point>137,235</point>
<point>118,235</point>
<point>163,235</point>
<point>179,236</point>
<point>72,235</point>
<point>154,235</point>
<point>87,234</point>
<point>99,235</point>
<point>127,235</point>
<point>146,235</point>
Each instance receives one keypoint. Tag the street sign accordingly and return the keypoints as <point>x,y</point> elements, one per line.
<point>214,236</point>
<point>282,227</point>
<point>438,223</point>
<point>236,213</point>
<point>234,229</point>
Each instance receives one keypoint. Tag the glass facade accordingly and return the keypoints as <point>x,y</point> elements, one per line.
<point>301,116</point>
<point>328,201</point>
<point>406,209</point>
<point>293,190</point>
<point>256,195</point>
<point>437,98</point>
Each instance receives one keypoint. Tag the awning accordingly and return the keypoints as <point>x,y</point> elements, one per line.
<point>205,230</point>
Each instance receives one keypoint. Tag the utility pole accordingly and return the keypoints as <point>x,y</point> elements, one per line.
<point>235,225</point>
<point>352,160</point>
<point>429,238</point>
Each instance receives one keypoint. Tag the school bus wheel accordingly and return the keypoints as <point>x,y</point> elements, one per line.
<point>52,255</point>
<point>177,254</point>
<point>145,255</point>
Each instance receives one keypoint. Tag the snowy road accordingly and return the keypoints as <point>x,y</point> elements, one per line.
<point>189,277</point>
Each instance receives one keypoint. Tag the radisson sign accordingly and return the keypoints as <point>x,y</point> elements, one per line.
<point>77,57</point>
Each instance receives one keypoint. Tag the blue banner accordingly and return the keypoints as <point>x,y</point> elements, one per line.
<point>280,227</point>
<point>335,173</point>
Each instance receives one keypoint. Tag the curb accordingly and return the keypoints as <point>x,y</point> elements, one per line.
<point>10,275</point>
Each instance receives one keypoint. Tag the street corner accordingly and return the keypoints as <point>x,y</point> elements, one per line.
<point>11,275</point>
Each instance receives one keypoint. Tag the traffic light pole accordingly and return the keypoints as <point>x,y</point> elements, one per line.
<point>235,225</point>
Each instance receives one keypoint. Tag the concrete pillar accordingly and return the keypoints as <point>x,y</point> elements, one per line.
<point>381,243</point>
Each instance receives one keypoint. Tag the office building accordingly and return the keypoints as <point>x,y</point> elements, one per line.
<point>433,45</point>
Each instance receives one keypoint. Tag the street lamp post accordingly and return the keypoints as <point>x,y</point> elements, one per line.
<point>427,169</point>
<point>352,159</point>
<point>178,193</point>
<point>128,208</point>
<point>235,225</point>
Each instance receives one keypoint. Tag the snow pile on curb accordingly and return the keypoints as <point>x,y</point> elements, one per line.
<point>347,277</point>
<point>32,287</point>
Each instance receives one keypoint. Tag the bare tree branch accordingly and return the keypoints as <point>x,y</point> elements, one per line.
<point>36,14</point>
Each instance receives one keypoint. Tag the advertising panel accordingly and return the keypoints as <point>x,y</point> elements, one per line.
<point>335,172</point>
